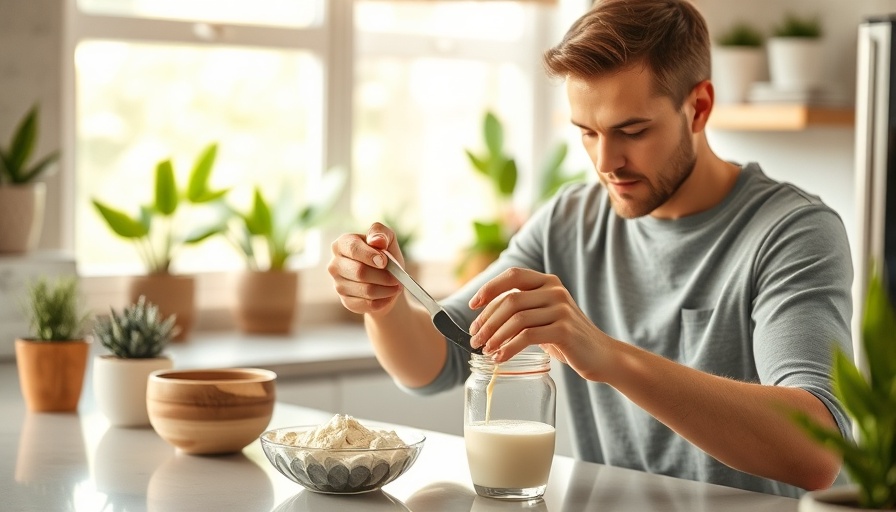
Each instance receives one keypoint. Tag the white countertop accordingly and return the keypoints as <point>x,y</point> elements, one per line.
<point>53,462</point>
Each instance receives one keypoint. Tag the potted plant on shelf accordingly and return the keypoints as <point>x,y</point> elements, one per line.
<point>51,363</point>
<point>737,62</point>
<point>870,401</point>
<point>136,339</point>
<point>22,196</point>
<point>268,235</point>
<point>794,54</point>
<point>491,236</point>
<point>160,229</point>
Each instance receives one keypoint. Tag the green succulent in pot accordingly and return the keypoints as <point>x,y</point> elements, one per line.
<point>870,400</point>
<point>138,332</point>
<point>794,25</point>
<point>158,229</point>
<point>53,310</point>
<point>14,159</point>
<point>742,34</point>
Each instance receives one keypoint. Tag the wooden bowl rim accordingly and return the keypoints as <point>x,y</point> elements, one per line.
<point>204,376</point>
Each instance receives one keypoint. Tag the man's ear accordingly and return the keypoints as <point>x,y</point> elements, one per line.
<point>701,100</point>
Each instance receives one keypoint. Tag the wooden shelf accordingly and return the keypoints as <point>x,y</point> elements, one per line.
<point>778,117</point>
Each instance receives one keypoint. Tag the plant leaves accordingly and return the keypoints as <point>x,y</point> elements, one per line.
<point>879,335</point>
<point>201,233</point>
<point>166,189</point>
<point>197,187</point>
<point>480,164</point>
<point>39,168</point>
<point>852,390</point>
<point>22,144</point>
<point>258,220</point>
<point>506,179</point>
<point>324,200</point>
<point>120,223</point>
<point>493,132</point>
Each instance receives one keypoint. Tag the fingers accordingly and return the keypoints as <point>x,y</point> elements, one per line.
<point>521,279</point>
<point>358,278</point>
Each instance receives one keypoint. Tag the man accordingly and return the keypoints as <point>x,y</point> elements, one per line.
<point>693,301</point>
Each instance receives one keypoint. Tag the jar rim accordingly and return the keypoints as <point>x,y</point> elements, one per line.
<point>527,361</point>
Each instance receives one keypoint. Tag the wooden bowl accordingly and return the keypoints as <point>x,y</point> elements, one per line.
<point>210,411</point>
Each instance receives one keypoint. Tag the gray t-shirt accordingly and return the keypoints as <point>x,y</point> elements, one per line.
<point>756,289</point>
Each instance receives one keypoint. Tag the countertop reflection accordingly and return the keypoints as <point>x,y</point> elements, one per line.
<point>78,462</point>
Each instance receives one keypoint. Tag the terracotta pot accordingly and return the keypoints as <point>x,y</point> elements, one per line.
<point>21,216</point>
<point>266,301</point>
<point>836,499</point>
<point>119,386</point>
<point>51,373</point>
<point>173,294</point>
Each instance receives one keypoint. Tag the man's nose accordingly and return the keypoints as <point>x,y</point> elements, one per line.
<point>608,158</point>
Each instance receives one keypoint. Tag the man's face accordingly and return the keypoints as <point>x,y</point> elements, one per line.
<point>639,143</point>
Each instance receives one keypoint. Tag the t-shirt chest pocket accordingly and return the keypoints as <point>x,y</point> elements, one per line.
<point>694,324</point>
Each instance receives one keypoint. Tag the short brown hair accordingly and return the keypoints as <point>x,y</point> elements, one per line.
<point>668,36</point>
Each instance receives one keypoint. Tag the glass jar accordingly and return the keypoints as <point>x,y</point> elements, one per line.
<point>510,437</point>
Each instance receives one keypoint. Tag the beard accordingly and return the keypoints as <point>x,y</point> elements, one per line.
<point>678,169</point>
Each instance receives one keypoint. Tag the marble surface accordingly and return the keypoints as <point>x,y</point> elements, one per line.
<point>76,462</point>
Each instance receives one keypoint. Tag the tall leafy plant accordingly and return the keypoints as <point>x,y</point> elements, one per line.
<point>156,230</point>
<point>269,234</point>
<point>870,400</point>
<point>15,167</point>
<point>500,170</point>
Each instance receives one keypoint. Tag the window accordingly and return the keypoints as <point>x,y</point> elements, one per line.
<point>393,90</point>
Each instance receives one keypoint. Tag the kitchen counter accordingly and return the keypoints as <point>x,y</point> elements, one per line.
<point>55,462</point>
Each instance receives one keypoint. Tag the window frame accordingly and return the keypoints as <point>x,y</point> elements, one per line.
<point>338,44</point>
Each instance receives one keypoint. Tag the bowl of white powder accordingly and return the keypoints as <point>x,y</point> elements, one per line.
<point>342,456</point>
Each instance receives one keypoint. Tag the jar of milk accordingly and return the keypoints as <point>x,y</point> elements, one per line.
<point>509,415</point>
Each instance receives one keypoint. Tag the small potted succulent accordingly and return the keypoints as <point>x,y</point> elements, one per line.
<point>870,400</point>
<point>135,339</point>
<point>795,54</point>
<point>268,235</point>
<point>52,361</point>
<point>161,229</point>
<point>738,61</point>
<point>22,195</point>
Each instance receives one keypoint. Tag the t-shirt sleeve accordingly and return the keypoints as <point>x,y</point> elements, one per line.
<point>802,304</point>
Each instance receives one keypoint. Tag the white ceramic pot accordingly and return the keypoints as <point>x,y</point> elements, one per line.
<point>795,63</point>
<point>119,386</point>
<point>734,70</point>
<point>21,216</point>
<point>835,499</point>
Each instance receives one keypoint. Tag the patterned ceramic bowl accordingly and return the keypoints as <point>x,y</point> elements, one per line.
<point>341,471</point>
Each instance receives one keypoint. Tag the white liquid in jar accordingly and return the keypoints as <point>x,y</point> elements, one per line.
<point>510,454</point>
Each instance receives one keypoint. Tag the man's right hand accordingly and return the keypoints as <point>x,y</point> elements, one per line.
<point>358,270</point>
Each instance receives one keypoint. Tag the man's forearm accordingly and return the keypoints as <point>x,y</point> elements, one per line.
<point>407,344</point>
<point>740,424</point>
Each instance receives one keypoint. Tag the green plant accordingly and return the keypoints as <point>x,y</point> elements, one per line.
<point>741,34</point>
<point>14,166</point>
<point>53,309</point>
<point>493,235</point>
<point>279,230</point>
<point>156,231</point>
<point>870,400</point>
<point>798,26</point>
<point>139,332</point>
